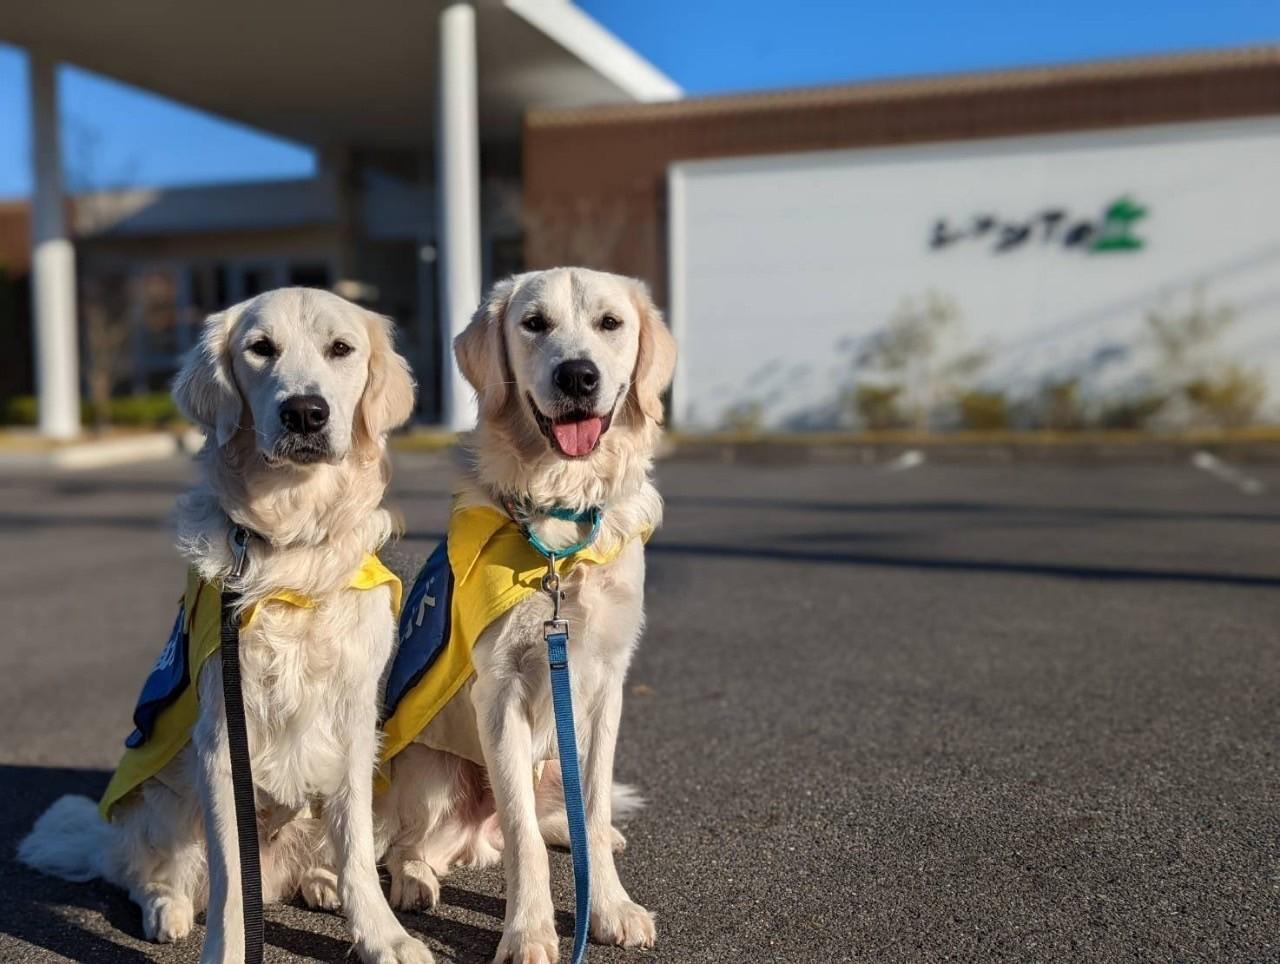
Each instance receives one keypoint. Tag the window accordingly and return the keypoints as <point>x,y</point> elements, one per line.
<point>310,274</point>
<point>256,281</point>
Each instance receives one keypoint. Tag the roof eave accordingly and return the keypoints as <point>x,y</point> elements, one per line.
<point>596,47</point>
<point>1205,64</point>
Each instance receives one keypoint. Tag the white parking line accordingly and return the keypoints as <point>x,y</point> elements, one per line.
<point>910,459</point>
<point>1208,462</point>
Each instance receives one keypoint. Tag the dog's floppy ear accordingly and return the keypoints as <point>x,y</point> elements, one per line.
<point>481,349</point>
<point>388,397</point>
<point>205,388</point>
<point>656,359</point>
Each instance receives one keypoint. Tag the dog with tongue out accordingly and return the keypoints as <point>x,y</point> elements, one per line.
<point>569,367</point>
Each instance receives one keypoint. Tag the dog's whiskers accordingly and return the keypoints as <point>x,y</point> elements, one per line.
<point>491,385</point>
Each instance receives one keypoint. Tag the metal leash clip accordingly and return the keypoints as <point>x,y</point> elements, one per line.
<point>239,540</point>
<point>551,586</point>
<point>555,626</point>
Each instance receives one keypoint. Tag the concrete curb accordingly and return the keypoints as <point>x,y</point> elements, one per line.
<point>1087,449</point>
<point>764,450</point>
<point>862,451</point>
<point>95,454</point>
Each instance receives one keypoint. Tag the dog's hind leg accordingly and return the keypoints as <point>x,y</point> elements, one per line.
<point>167,908</point>
<point>299,860</point>
<point>552,820</point>
<point>437,815</point>
<point>157,851</point>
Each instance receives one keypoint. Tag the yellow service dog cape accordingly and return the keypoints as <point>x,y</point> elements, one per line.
<point>166,710</point>
<point>483,569</point>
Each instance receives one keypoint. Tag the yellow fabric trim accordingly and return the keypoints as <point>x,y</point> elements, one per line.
<point>204,637</point>
<point>372,574</point>
<point>494,569</point>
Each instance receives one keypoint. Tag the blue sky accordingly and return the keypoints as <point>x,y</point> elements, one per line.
<point>115,135</point>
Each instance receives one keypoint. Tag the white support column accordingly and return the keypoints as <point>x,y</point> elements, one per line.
<point>53,270</point>
<point>457,201</point>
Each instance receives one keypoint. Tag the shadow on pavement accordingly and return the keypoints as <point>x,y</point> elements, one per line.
<point>962,507</point>
<point>1054,570</point>
<point>81,485</point>
<point>51,914</point>
<point>48,520</point>
<point>43,911</point>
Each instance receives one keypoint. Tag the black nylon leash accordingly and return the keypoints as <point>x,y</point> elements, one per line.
<point>238,749</point>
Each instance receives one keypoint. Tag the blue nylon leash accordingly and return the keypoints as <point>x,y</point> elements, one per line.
<point>556,632</point>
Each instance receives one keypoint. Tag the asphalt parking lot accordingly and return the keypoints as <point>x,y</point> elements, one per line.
<point>952,713</point>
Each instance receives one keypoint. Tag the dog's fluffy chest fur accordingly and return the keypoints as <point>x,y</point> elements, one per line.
<point>304,671</point>
<point>604,607</point>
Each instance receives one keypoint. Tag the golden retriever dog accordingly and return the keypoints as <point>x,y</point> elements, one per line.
<point>296,390</point>
<point>569,367</point>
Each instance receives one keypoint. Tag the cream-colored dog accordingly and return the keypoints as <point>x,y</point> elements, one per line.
<point>297,389</point>
<point>569,366</point>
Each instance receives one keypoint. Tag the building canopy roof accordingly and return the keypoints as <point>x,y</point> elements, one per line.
<point>333,72</point>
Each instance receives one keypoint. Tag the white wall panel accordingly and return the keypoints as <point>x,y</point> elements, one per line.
<point>781,264</point>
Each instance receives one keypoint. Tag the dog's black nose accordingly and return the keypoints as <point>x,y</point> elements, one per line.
<point>304,413</point>
<point>578,378</point>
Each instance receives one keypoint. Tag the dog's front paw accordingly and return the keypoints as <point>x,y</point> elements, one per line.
<point>167,918</point>
<point>401,950</point>
<point>414,885</point>
<point>319,887</point>
<point>625,923</point>
<point>532,945</point>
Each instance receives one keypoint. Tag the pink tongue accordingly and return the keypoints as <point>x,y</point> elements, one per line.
<point>578,438</point>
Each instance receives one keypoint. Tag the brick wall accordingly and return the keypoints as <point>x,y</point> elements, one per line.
<point>595,178</point>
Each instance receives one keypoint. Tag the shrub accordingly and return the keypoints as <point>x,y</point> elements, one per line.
<point>747,416</point>
<point>154,409</point>
<point>137,411</point>
<point>1130,413</point>
<point>877,406</point>
<point>1060,405</point>
<point>919,350</point>
<point>19,410</point>
<point>1229,399</point>
<point>984,411</point>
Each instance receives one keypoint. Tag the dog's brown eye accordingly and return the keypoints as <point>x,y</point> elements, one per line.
<point>535,323</point>
<point>610,323</point>
<point>263,348</point>
<point>340,349</point>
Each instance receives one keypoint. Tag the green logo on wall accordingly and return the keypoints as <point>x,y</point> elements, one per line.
<point>1116,231</point>
<point>1113,231</point>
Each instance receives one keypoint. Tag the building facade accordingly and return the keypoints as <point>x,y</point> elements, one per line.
<point>155,263</point>
<point>420,102</point>
<point>1059,246</point>
<point>1107,231</point>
